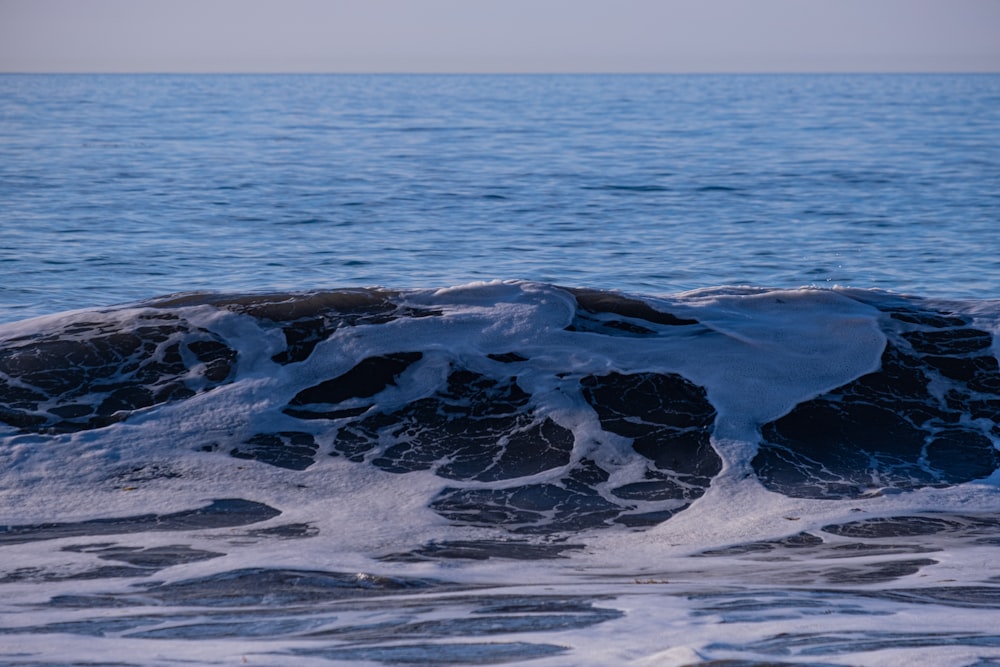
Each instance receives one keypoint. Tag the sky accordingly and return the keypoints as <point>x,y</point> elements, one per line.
<point>499,35</point>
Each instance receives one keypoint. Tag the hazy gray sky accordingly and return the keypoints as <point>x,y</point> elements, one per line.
<point>499,35</point>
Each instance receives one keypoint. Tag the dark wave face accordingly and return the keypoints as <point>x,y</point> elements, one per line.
<point>849,435</point>
<point>90,374</point>
<point>926,417</point>
<point>488,413</point>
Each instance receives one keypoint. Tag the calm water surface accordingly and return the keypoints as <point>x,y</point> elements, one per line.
<point>115,188</point>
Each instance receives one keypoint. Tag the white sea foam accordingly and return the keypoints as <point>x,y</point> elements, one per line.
<point>757,355</point>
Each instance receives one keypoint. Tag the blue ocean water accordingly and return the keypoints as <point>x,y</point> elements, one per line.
<point>625,395</point>
<point>115,188</point>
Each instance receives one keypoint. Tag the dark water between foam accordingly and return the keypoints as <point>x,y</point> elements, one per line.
<point>115,188</point>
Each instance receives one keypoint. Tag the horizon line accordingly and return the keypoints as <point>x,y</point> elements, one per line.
<point>496,73</point>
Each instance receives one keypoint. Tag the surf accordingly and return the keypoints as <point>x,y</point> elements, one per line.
<point>429,442</point>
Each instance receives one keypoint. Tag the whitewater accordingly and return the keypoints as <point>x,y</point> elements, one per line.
<point>373,475</point>
<point>548,370</point>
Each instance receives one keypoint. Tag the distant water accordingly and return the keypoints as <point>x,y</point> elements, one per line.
<point>663,371</point>
<point>116,188</point>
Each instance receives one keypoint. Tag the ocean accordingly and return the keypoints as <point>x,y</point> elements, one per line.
<point>550,370</point>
